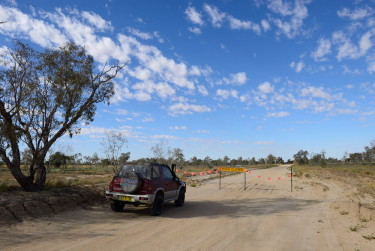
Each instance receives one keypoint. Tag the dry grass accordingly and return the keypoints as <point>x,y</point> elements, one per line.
<point>362,176</point>
<point>80,175</point>
<point>62,177</point>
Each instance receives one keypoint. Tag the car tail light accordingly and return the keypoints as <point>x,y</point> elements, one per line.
<point>145,187</point>
<point>116,185</point>
<point>149,187</point>
<point>111,186</point>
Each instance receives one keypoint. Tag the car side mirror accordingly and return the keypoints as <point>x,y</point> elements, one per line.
<point>173,167</point>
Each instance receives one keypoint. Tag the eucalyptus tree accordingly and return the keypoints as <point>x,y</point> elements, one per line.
<point>43,96</point>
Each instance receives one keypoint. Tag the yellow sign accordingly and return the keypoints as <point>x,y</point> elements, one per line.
<point>233,169</point>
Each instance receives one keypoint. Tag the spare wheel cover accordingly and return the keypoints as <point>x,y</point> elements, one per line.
<point>130,182</point>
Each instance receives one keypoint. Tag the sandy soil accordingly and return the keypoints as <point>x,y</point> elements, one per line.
<point>317,215</point>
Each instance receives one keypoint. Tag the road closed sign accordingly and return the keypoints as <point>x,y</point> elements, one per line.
<point>233,169</point>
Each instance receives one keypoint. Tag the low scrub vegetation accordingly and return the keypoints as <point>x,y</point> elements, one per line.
<point>361,175</point>
<point>82,175</point>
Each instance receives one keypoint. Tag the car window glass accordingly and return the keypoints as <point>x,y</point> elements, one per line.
<point>141,170</point>
<point>167,173</point>
<point>155,172</point>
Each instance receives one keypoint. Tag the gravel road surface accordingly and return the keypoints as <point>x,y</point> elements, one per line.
<point>317,215</point>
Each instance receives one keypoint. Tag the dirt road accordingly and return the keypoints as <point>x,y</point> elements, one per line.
<point>318,215</point>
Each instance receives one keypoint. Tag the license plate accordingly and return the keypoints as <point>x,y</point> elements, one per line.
<point>126,198</point>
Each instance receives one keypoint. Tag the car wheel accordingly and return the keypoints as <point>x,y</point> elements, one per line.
<point>117,206</point>
<point>157,206</point>
<point>181,199</point>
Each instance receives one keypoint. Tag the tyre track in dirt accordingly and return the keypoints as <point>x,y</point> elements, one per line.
<point>265,216</point>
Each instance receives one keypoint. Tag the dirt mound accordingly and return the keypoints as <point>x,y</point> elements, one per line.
<point>17,206</point>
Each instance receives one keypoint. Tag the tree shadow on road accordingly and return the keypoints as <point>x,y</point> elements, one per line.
<point>72,222</point>
<point>236,208</point>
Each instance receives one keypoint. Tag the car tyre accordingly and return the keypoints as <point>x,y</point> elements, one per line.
<point>181,198</point>
<point>157,206</point>
<point>135,184</point>
<point>117,206</point>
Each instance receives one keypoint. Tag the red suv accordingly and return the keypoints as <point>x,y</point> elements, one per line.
<point>150,184</point>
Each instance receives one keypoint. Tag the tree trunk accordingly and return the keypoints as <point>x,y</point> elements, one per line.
<point>41,177</point>
<point>27,182</point>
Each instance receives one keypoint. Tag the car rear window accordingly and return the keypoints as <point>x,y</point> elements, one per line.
<point>155,172</point>
<point>142,170</point>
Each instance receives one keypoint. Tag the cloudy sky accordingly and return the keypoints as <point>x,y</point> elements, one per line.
<point>238,78</point>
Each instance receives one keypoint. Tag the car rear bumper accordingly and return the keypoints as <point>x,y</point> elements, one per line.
<point>147,199</point>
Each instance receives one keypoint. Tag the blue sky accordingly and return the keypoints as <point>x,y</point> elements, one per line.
<point>237,78</point>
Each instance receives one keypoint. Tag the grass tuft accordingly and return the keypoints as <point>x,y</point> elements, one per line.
<point>369,237</point>
<point>355,228</point>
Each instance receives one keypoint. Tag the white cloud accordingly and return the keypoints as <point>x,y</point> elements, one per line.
<point>148,119</point>
<point>237,24</point>
<point>178,127</point>
<point>281,7</point>
<point>225,94</point>
<point>194,16</point>
<point>346,49</point>
<point>195,30</point>
<point>12,2</point>
<point>140,34</point>
<point>162,136</point>
<point>371,67</point>
<point>239,78</point>
<point>355,14</point>
<point>349,71</point>
<point>217,17</point>
<point>163,90</point>
<point>185,108</point>
<point>122,112</point>
<point>278,114</point>
<point>97,21</point>
<point>203,131</point>
<point>98,132</point>
<point>324,48</point>
<point>60,26</point>
<point>365,42</point>
<point>291,17</point>
<point>22,25</point>
<point>316,92</point>
<point>298,67</point>
<point>265,25</point>
<point>266,87</point>
<point>202,90</point>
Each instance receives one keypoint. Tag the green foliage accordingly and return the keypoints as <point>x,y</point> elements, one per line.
<point>318,159</point>
<point>43,96</point>
<point>59,159</point>
<point>301,157</point>
<point>124,157</point>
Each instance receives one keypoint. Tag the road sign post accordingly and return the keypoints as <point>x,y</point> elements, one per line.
<point>233,169</point>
